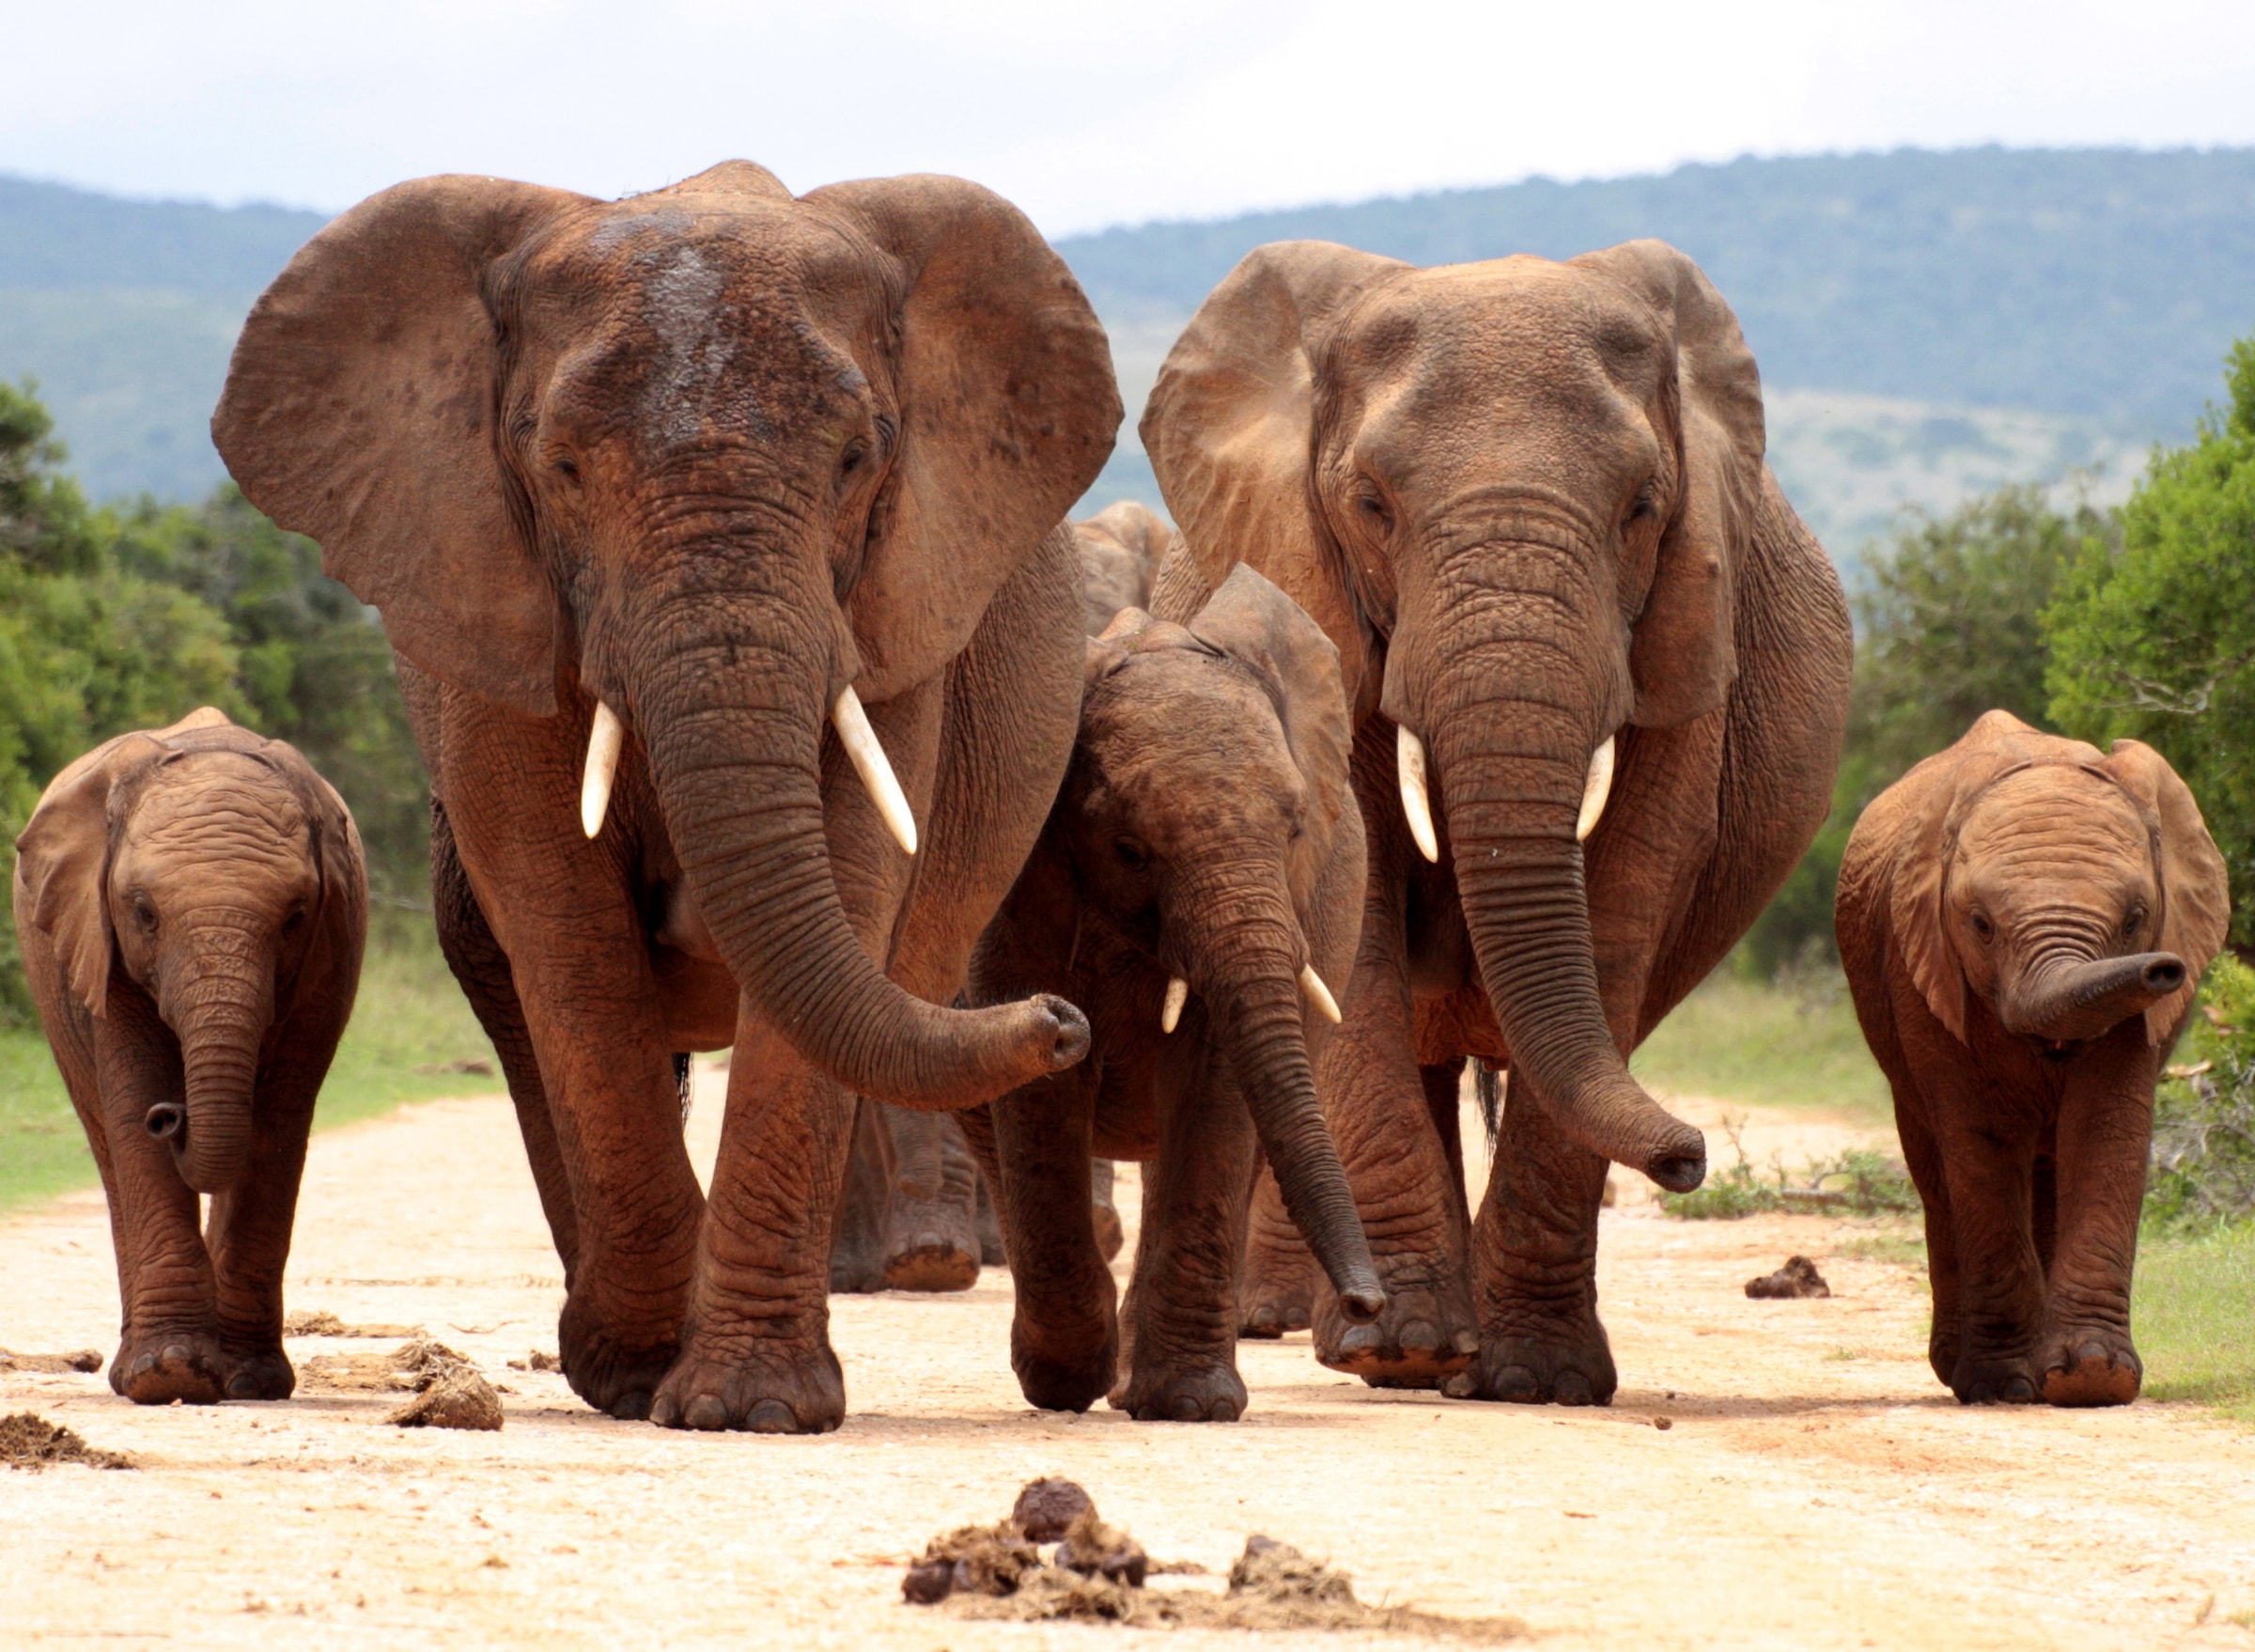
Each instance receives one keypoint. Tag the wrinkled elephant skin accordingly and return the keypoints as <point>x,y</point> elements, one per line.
<point>716,531</point>
<point>2024,920</point>
<point>191,904</point>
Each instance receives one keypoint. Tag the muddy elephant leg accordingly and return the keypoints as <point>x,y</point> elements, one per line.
<point>1374,1101</point>
<point>1944,1340</point>
<point>857,1247</point>
<point>168,1347</point>
<point>1065,1333</point>
<point>931,1222</point>
<point>2000,1286</point>
<point>1281,1277</point>
<point>482,970</point>
<point>2086,1357</point>
<point>1181,1315</point>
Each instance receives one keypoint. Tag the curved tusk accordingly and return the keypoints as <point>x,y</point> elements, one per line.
<point>1594,791</point>
<point>1318,995</point>
<point>603,743</point>
<point>1410,755</point>
<point>860,741</point>
<point>1178,995</point>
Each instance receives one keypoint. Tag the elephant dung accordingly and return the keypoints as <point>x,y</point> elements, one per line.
<point>86,1359</point>
<point>1798,1278</point>
<point>1047,1509</point>
<point>28,1440</point>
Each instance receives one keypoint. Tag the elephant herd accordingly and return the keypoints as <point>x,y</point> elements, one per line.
<point>1483,692</point>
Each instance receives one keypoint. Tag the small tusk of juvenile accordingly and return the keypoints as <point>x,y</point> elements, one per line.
<point>1594,791</point>
<point>603,743</point>
<point>1178,995</point>
<point>1318,995</point>
<point>1409,754</point>
<point>868,756</point>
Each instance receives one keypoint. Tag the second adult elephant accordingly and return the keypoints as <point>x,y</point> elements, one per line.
<point>717,532</point>
<point>1598,672</point>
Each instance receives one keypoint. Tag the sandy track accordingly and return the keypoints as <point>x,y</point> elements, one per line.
<point>1817,1488</point>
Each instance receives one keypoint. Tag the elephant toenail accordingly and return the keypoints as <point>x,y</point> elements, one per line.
<point>1421,1336</point>
<point>706,1413</point>
<point>1517,1384</point>
<point>1572,1389</point>
<point>632,1406</point>
<point>2018,1391</point>
<point>1461,1386</point>
<point>771,1416</point>
<point>1467,1342</point>
<point>242,1385</point>
<point>1360,1339</point>
<point>1225,1410</point>
<point>1187,1409</point>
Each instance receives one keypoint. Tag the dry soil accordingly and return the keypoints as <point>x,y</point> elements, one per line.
<point>1815,1487</point>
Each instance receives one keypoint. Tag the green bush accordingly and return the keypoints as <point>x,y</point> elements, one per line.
<point>2203,1154</point>
<point>1860,1181</point>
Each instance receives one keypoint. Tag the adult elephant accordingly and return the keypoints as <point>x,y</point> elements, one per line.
<point>716,532</point>
<point>1528,501</point>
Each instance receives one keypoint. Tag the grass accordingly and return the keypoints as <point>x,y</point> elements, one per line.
<point>2192,1316</point>
<point>1795,1045</point>
<point>410,1024</point>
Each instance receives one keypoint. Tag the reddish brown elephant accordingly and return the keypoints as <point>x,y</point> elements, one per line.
<point>191,904</point>
<point>1598,675</point>
<point>2023,920</point>
<point>717,530</point>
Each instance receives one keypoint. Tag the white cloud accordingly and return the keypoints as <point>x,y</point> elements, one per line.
<point>1086,115</point>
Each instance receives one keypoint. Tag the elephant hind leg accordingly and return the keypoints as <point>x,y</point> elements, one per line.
<point>1281,1275</point>
<point>931,1221</point>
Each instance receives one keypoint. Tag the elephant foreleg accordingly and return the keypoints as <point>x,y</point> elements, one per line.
<point>2104,1137</point>
<point>1063,1335</point>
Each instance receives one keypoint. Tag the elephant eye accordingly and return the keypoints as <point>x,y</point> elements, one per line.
<point>1132,856</point>
<point>1983,927</point>
<point>851,459</point>
<point>2133,921</point>
<point>1644,510</point>
<point>145,912</point>
<point>295,922</point>
<point>1369,501</point>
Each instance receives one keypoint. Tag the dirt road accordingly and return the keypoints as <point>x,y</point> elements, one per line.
<point>1817,1488</point>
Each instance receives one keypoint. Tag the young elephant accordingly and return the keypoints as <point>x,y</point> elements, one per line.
<point>1198,883</point>
<point>2023,921</point>
<point>191,906</point>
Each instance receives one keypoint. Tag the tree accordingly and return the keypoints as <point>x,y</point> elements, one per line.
<point>2155,640</point>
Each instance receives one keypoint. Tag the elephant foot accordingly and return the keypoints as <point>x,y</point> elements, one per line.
<point>157,1367</point>
<point>1192,1394</point>
<point>1272,1313</point>
<point>933,1261</point>
<point>1422,1338</point>
<point>2096,1367</point>
<point>856,1271</point>
<point>1066,1373</point>
<point>762,1390</point>
<point>1995,1381</point>
<point>1550,1358</point>
<point>259,1373</point>
<point>610,1373</point>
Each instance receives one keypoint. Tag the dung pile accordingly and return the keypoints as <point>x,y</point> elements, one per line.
<point>449,1391</point>
<point>321,1322</point>
<point>30,1441</point>
<point>1798,1278</point>
<point>86,1359</point>
<point>1097,1573</point>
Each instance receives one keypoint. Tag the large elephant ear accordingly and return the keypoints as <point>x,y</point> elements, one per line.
<point>1930,804</point>
<point>63,857</point>
<point>1250,619</point>
<point>1008,407</point>
<point>360,410</point>
<point>2196,899</point>
<point>1230,429</point>
<point>1685,654</point>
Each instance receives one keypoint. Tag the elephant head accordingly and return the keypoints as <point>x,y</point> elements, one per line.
<point>215,871</point>
<point>731,461</point>
<point>1516,495</point>
<point>1205,810</point>
<point>2066,889</point>
<point>1121,548</point>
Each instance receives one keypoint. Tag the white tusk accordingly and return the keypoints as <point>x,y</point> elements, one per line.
<point>1318,995</point>
<point>1409,753</point>
<point>1178,995</point>
<point>1594,791</point>
<point>603,742</point>
<point>860,741</point>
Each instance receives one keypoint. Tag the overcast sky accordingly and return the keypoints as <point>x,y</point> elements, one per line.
<point>1086,115</point>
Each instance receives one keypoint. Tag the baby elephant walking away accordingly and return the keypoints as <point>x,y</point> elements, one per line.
<point>191,905</point>
<point>2023,920</point>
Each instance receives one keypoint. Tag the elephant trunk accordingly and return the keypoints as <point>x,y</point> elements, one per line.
<point>1522,777</point>
<point>221,1021</point>
<point>2064,1000</point>
<point>1258,1006</point>
<point>733,724</point>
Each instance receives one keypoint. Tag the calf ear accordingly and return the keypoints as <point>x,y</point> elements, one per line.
<point>1251,620</point>
<point>63,861</point>
<point>2196,902</point>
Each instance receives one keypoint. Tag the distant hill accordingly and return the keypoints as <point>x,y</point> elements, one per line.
<point>1933,322</point>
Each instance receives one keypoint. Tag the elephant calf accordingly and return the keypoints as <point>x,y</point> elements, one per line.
<point>2023,921</point>
<point>1199,878</point>
<point>191,905</point>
